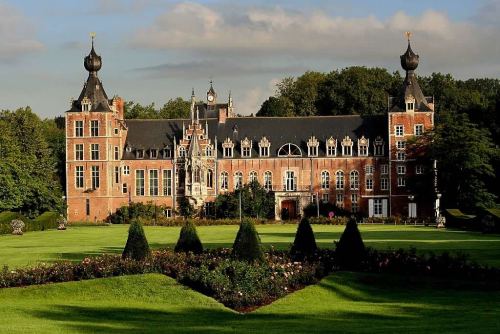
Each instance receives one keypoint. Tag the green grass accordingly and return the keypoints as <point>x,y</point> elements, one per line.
<point>344,302</point>
<point>78,242</point>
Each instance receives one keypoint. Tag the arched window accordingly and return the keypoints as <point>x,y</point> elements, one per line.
<point>224,180</point>
<point>268,180</point>
<point>238,180</point>
<point>354,180</point>
<point>340,179</point>
<point>182,151</point>
<point>210,177</point>
<point>252,177</point>
<point>289,150</point>
<point>325,180</point>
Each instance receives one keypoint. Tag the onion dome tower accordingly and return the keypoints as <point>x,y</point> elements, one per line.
<point>410,92</point>
<point>93,97</point>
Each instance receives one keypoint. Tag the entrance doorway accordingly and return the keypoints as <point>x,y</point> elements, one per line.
<point>288,209</point>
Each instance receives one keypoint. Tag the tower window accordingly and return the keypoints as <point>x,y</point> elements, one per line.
<point>419,129</point>
<point>78,128</point>
<point>347,146</point>
<point>94,151</point>
<point>79,152</point>
<point>95,177</point>
<point>399,130</point>
<point>410,106</point>
<point>79,177</point>
<point>94,128</point>
<point>312,147</point>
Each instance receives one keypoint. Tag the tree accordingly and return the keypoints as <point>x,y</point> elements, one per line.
<point>137,247</point>
<point>175,108</point>
<point>304,244</point>
<point>188,239</point>
<point>274,107</point>
<point>350,250</point>
<point>247,243</point>
<point>465,154</point>
<point>135,110</point>
<point>186,209</point>
<point>256,202</point>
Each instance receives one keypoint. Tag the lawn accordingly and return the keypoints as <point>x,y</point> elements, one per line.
<point>343,302</point>
<point>78,242</point>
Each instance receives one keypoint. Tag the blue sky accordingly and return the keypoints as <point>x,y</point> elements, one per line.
<point>154,50</point>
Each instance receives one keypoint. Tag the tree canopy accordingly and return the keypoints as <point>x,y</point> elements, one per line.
<point>174,108</point>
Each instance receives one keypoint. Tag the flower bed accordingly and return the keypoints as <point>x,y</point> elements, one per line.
<point>245,286</point>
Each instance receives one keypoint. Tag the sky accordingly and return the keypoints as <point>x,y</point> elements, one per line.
<point>155,50</point>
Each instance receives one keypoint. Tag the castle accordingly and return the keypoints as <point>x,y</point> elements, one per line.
<point>357,162</point>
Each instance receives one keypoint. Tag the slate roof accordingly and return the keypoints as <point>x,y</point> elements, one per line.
<point>94,91</point>
<point>147,134</point>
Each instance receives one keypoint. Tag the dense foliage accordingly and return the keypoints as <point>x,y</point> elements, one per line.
<point>247,245</point>
<point>174,108</point>
<point>256,202</point>
<point>46,221</point>
<point>29,179</point>
<point>188,239</point>
<point>137,247</point>
<point>149,211</point>
<point>304,244</point>
<point>350,251</point>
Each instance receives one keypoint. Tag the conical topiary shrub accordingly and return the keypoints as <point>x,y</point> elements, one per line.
<point>137,247</point>
<point>188,239</point>
<point>350,250</point>
<point>304,244</point>
<point>247,243</point>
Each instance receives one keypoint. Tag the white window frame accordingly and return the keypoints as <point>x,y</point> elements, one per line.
<point>419,129</point>
<point>399,130</point>
<point>154,182</point>
<point>95,177</point>
<point>238,180</point>
<point>384,169</point>
<point>79,177</point>
<point>94,130</point>
<point>79,128</point>
<point>94,151</point>
<point>224,181</point>
<point>384,183</point>
<point>354,180</point>
<point>167,182</point>
<point>401,169</point>
<point>253,176</point>
<point>140,186</point>
<point>126,170</point>
<point>401,181</point>
<point>325,179</point>
<point>79,155</point>
<point>268,180</point>
<point>339,180</point>
<point>369,184</point>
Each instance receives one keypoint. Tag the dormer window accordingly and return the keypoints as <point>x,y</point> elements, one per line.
<point>363,144</point>
<point>378,146</point>
<point>264,146</point>
<point>167,152</point>
<point>246,148</point>
<point>86,104</point>
<point>347,146</point>
<point>208,151</point>
<point>153,153</point>
<point>410,103</point>
<point>182,151</point>
<point>128,148</point>
<point>139,154</point>
<point>312,147</point>
<point>331,147</point>
<point>227,148</point>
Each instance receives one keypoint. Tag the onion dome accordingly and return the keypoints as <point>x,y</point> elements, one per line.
<point>409,60</point>
<point>93,61</point>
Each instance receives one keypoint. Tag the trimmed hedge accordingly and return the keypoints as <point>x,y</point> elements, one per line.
<point>137,247</point>
<point>247,245</point>
<point>46,221</point>
<point>188,239</point>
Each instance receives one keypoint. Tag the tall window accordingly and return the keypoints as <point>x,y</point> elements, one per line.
<point>238,180</point>
<point>264,145</point>
<point>399,130</point>
<point>227,148</point>
<point>95,177</point>
<point>290,181</point>
<point>78,128</point>
<point>253,176</point>
<point>268,180</point>
<point>384,169</point>
<point>94,151</point>
<point>94,128</point>
<point>354,180</point>
<point>139,182</point>
<point>419,129</point>
<point>117,153</point>
<point>347,146</point>
<point>182,151</point>
<point>401,169</point>
<point>400,156</point>
<point>369,183</point>
<point>325,197</point>
<point>339,180</point>
<point>210,178</point>
<point>401,181</point>
<point>377,207</point>
<point>246,148</point>
<point>167,182</point>
<point>331,147</point>
<point>79,152</point>
<point>208,151</point>
<point>153,182</point>
<point>340,200</point>
<point>117,174</point>
<point>79,177</point>
<point>325,180</point>
<point>197,175</point>
<point>224,180</point>
<point>384,183</point>
<point>354,203</point>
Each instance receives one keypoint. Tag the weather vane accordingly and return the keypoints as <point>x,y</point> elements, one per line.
<point>408,35</point>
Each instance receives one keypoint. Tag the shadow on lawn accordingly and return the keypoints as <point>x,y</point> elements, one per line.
<point>359,303</point>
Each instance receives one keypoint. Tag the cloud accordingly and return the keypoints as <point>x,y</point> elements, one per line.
<point>257,33</point>
<point>252,99</point>
<point>17,34</point>
<point>219,68</point>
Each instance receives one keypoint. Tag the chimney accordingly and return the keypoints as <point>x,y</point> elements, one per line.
<point>222,115</point>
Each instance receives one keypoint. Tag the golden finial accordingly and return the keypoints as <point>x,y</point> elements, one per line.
<point>408,35</point>
<point>92,35</point>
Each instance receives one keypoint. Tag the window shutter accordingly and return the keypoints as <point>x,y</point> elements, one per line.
<point>384,208</point>
<point>370,207</point>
